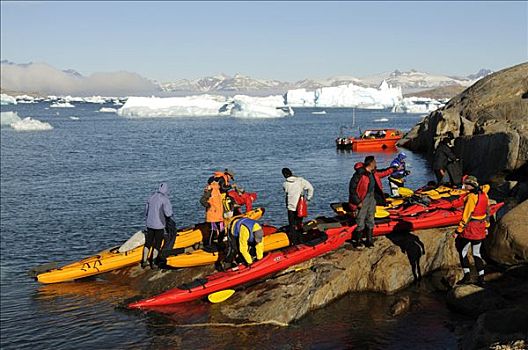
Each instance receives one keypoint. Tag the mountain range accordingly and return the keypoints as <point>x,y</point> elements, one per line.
<point>410,81</point>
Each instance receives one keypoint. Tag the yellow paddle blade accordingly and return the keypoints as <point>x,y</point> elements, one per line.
<point>405,192</point>
<point>381,213</point>
<point>393,202</point>
<point>223,295</point>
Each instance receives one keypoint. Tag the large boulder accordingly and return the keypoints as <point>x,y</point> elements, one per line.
<point>490,121</point>
<point>395,262</point>
<point>508,242</point>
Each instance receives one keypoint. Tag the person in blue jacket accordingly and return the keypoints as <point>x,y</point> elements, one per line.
<point>397,178</point>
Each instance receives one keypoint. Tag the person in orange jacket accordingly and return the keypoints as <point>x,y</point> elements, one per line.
<point>214,213</point>
<point>473,228</point>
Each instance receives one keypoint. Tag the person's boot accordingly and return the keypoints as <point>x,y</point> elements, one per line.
<point>466,279</point>
<point>370,240</point>
<point>356,238</point>
<point>145,257</point>
<point>143,264</point>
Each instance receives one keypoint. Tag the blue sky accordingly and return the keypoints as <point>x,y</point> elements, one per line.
<point>279,40</point>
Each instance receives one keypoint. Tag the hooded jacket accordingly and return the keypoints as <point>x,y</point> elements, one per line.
<point>158,208</point>
<point>293,187</point>
<point>359,184</point>
<point>399,162</point>
<point>476,209</point>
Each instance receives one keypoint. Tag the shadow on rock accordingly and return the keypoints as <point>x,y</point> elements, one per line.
<point>413,247</point>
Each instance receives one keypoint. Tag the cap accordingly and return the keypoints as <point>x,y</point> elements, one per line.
<point>471,180</point>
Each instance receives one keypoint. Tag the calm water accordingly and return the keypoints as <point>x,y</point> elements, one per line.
<point>72,191</point>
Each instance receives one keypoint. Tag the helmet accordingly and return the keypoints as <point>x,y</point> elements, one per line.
<point>402,155</point>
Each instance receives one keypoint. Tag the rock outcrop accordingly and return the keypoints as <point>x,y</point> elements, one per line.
<point>508,242</point>
<point>500,309</point>
<point>396,261</point>
<point>490,120</point>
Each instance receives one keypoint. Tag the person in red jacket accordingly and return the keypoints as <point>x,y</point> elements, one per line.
<point>365,189</point>
<point>473,228</point>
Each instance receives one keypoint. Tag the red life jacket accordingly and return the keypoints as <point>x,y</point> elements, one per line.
<point>362,186</point>
<point>476,228</point>
<point>481,208</point>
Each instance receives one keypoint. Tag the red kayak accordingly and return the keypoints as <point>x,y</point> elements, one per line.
<point>414,209</point>
<point>270,264</point>
<point>436,218</point>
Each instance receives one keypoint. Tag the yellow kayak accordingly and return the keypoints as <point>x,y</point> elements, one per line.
<point>201,257</point>
<point>111,259</point>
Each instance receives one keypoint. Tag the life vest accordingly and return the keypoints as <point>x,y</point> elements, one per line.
<point>215,213</point>
<point>249,224</point>
<point>220,174</point>
<point>481,208</point>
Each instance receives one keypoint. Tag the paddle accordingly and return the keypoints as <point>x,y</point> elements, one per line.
<point>381,213</point>
<point>223,295</point>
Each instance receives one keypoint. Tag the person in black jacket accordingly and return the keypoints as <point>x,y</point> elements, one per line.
<point>443,155</point>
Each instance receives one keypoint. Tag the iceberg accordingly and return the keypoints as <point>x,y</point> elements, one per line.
<point>61,105</point>
<point>417,105</point>
<point>27,124</point>
<point>26,99</point>
<point>349,95</point>
<point>205,106</point>
<point>7,100</point>
<point>30,124</point>
<point>107,110</point>
<point>7,118</point>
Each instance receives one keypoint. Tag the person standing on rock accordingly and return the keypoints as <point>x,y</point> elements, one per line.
<point>294,187</point>
<point>443,154</point>
<point>473,228</point>
<point>158,211</point>
<point>365,185</point>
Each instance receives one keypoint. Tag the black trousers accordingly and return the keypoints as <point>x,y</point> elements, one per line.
<point>154,238</point>
<point>295,227</point>
<point>439,176</point>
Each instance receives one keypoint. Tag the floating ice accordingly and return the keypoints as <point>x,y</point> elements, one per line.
<point>61,105</point>
<point>74,118</point>
<point>346,96</point>
<point>205,105</point>
<point>319,112</point>
<point>7,100</point>
<point>107,110</point>
<point>417,105</point>
<point>381,120</point>
<point>30,124</point>
<point>7,118</point>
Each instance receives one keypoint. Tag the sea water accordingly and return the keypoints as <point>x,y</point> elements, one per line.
<point>81,187</point>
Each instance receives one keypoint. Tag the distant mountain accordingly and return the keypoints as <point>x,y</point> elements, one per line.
<point>73,73</point>
<point>410,81</point>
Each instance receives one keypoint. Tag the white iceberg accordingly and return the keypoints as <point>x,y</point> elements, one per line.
<point>27,124</point>
<point>26,99</point>
<point>206,106</point>
<point>417,105</point>
<point>107,110</point>
<point>7,100</point>
<point>349,95</point>
<point>74,118</point>
<point>61,105</point>
<point>7,118</point>
<point>259,107</point>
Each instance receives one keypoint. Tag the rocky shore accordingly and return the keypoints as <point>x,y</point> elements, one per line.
<point>490,120</point>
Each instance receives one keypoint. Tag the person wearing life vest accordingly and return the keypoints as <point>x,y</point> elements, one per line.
<point>473,228</point>
<point>294,187</point>
<point>364,189</point>
<point>245,236</point>
<point>397,178</point>
<point>224,179</point>
<point>214,214</point>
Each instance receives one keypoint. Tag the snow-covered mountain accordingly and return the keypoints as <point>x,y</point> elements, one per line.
<point>409,81</point>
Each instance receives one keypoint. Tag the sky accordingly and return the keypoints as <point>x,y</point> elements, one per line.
<point>274,40</point>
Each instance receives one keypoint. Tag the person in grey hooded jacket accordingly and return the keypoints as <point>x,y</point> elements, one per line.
<point>157,211</point>
<point>293,187</point>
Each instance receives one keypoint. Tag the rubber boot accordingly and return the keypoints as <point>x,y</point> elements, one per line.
<point>466,279</point>
<point>154,261</point>
<point>370,239</point>
<point>144,257</point>
<point>356,238</point>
